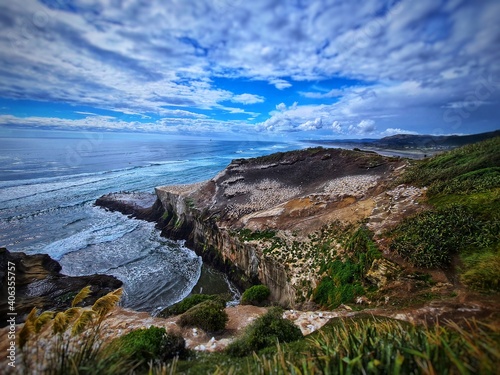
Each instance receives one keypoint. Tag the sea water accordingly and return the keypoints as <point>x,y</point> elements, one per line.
<point>49,181</point>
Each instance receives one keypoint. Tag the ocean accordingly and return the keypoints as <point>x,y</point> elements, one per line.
<point>49,181</point>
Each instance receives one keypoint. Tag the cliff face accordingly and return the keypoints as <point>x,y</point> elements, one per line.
<point>285,196</point>
<point>219,245</point>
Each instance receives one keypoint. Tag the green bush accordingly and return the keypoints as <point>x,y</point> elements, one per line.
<point>209,316</point>
<point>188,302</point>
<point>331,292</point>
<point>152,344</point>
<point>255,295</point>
<point>344,277</point>
<point>483,271</point>
<point>430,238</point>
<point>266,331</point>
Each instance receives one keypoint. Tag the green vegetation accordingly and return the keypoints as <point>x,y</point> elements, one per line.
<point>482,270</point>
<point>367,345</point>
<point>430,238</point>
<point>255,295</point>
<point>271,345</point>
<point>248,235</point>
<point>266,331</point>
<point>341,252</point>
<point>209,316</point>
<point>144,345</point>
<point>476,162</point>
<point>344,276</point>
<point>188,302</point>
<point>75,343</point>
<point>464,190</point>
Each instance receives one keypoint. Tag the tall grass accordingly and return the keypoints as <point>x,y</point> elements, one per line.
<point>382,346</point>
<point>68,342</point>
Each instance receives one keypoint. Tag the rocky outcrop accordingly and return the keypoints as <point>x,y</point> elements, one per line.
<point>289,192</point>
<point>39,283</point>
<point>285,197</point>
<point>134,204</point>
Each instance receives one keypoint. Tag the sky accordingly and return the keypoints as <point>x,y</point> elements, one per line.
<point>260,69</point>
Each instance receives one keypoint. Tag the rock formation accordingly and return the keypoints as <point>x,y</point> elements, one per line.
<point>284,197</point>
<point>39,283</point>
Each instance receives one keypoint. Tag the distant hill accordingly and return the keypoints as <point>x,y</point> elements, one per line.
<point>411,141</point>
<point>431,141</point>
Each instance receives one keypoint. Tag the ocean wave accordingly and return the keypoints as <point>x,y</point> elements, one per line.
<point>105,232</point>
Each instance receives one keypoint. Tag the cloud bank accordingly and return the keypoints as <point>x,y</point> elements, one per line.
<point>319,68</point>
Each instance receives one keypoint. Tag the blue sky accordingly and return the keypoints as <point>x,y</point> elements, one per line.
<point>261,69</point>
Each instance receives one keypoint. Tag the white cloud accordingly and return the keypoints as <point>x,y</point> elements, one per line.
<point>393,131</point>
<point>315,124</point>
<point>422,59</point>
<point>280,84</point>
<point>334,93</point>
<point>247,99</point>
<point>180,126</point>
<point>337,127</point>
<point>281,107</point>
<point>364,127</point>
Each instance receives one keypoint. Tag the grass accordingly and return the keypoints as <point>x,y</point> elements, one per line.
<point>482,270</point>
<point>464,191</point>
<point>72,343</point>
<point>344,276</point>
<point>271,345</point>
<point>457,165</point>
<point>431,238</point>
<point>367,345</point>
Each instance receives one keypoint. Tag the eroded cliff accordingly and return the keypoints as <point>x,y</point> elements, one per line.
<point>256,218</point>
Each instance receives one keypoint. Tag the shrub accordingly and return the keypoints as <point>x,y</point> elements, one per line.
<point>332,293</point>
<point>264,332</point>
<point>188,302</point>
<point>152,344</point>
<point>483,271</point>
<point>430,238</point>
<point>255,295</point>
<point>344,277</point>
<point>209,316</point>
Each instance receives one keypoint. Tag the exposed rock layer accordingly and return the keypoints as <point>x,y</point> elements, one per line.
<point>294,192</point>
<point>39,283</point>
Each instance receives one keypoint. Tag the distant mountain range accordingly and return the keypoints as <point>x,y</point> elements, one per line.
<point>411,141</point>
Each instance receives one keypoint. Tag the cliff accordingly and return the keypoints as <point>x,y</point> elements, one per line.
<point>275,202</point>
<point>326,226</point>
